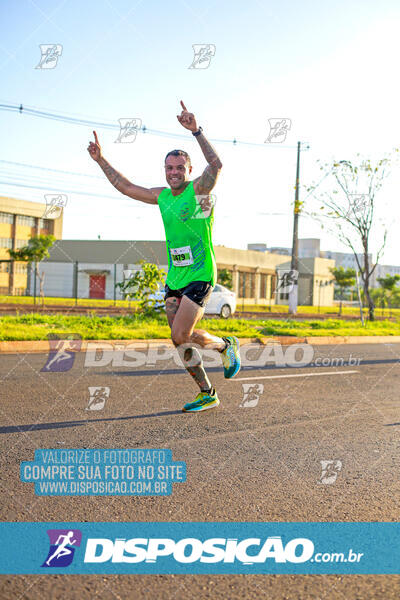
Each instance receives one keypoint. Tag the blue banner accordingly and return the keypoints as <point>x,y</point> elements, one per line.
<point>103,472</point>
<point>203,548</point>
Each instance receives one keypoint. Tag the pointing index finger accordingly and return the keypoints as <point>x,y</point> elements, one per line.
<point>95,137</point>
<point>183,106</point>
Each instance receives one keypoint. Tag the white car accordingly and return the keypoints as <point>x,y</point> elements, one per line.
<point>222,301</point>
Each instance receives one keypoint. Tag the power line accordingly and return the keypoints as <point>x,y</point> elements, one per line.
<point>49,179</point>
<point>62,190</point>
<point>45,114</point>
<point>9,162</point>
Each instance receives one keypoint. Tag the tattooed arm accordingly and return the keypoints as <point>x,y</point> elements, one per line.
<point>205,183</point>
<point>120,182</point>
<point>123,185</point>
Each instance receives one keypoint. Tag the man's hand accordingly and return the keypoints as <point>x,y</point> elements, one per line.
<point>94,148</point>
<point>187,119</point>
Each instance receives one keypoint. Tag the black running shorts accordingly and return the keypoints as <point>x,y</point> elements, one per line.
<point>197,291</point>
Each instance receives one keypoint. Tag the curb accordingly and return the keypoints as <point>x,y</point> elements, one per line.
<point>41,346</point>
<point>355,339</point>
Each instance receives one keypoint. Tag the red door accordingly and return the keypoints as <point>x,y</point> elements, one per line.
<point>97,286</point>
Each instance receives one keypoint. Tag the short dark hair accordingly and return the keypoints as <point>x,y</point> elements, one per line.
<point>179,153</point>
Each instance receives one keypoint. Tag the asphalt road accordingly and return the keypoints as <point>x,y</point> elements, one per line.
<point>249,460</point>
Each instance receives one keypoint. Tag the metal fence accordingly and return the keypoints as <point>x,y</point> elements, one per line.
<point>75,280</point>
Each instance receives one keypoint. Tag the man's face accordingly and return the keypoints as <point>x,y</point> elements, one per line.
<point>177,171</point>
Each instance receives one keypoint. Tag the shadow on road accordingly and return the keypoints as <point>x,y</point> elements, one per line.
<point>63,424</point>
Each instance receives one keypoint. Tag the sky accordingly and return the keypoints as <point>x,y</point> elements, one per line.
<point>331,68</point>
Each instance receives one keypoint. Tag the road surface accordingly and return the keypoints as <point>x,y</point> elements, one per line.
<point>254,459</point>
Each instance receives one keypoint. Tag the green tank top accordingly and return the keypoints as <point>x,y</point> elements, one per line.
<point>188,222</point>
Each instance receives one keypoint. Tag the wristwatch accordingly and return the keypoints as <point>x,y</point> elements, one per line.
<point>198,132</point>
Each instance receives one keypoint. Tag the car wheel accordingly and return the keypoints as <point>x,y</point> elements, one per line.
<point>225,311</point>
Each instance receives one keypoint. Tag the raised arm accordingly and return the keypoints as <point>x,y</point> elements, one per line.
<point>205,183</point>
<point>123,185</point>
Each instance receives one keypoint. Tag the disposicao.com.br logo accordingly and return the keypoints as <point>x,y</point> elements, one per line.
<point>199,547</point>
<point>191,550</point>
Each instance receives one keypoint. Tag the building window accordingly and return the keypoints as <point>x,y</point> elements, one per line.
<point>20,243</point>
<point>19,291</point>
<point>4,267</point>
<point>243,285</point>
<point>263,286</point>
<point>252,287</point>
<point>26,221</point>
<point>241,290</point>
<point>246,285</point>
<point>20,268</point>
<point>45,224</point>
<point>6,218</point>
<point>5,243</point>
<point>266,286</point>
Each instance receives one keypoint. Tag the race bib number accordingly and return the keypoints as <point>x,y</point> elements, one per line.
<point>181,257</point>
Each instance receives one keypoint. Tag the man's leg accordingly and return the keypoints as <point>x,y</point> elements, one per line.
<point>190,356</point>
<point>183,332</point>
<point>182,320</point>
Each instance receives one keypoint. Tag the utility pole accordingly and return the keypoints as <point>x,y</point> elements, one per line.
<point>293,293</point>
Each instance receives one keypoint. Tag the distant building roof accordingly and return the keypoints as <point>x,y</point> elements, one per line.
<point>108,251</point>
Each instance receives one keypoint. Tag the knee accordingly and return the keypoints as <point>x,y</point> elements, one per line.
<point>179,337</point>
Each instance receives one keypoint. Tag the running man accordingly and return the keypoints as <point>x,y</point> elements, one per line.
<point>188,215</point>
<point>62,352</point>
<point>62,549</point>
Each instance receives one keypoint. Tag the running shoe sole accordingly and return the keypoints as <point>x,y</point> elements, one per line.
<point>233,354</point>
<point>196,406</point>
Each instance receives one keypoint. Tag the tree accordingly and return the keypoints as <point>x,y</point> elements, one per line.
<point>388,285</point>
<point>35,251</point>
<point>351,213</point>
<point>143,285</point>
<point>344,278</point>
<point>225,278</point>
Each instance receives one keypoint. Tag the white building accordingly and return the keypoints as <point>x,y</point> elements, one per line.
<point>346,260</point>
<point>308,248</point>
<point>311,248</point>
<point>92,268</point>
<point>382,271</point>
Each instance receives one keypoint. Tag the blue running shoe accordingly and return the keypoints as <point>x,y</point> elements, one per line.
<point>231,357</point>
<point>203,401</point>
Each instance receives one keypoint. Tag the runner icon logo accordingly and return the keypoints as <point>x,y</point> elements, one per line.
<point>63,543</point>
<point>62,352</point>
<point>98,397</point>
<point>128,130</point>
<point>54,205</point>
<point>251,394</point>
<point>203,54</point>
<point>287,279</point>
<point>330,471</point>
<point>278,129</point>
<point>50,55</point>
<point>205,204</point>
<point>358,206</point>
